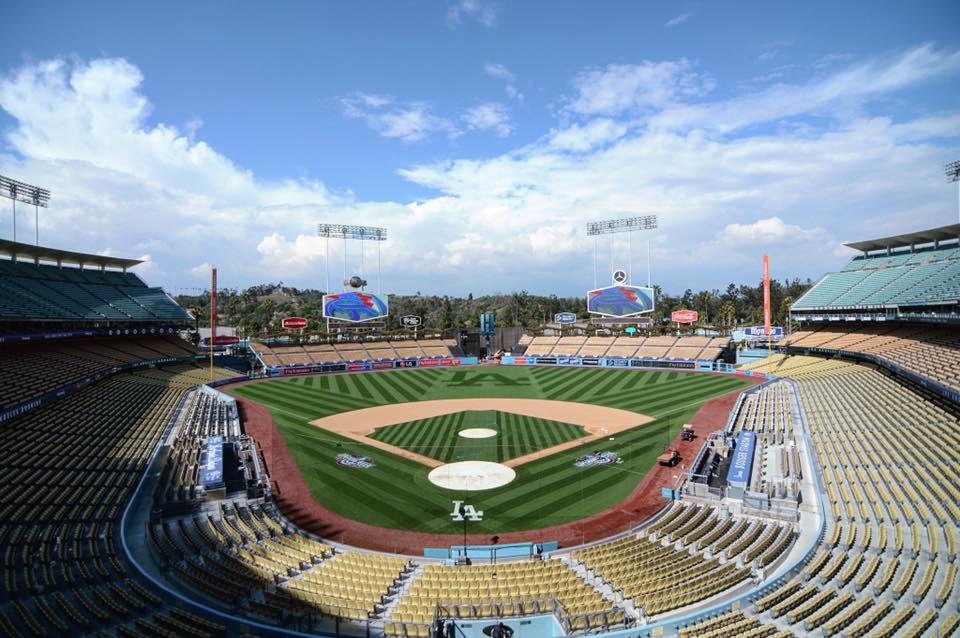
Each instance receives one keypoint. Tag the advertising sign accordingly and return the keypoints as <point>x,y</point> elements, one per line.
<point>565,318</point>
<point>742,459</point>
<point>294,323</point>
<point>684,316</point>
<point>411,321</point>
<point>620,301</point>
<point>761,331</point>
<point>212,469</point>
<point>354,306</point>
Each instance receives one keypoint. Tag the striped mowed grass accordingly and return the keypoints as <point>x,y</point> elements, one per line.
<point>548,491</point>
<point>516,435</point>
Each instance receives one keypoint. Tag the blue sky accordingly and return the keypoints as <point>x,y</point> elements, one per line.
<point>481,134</point>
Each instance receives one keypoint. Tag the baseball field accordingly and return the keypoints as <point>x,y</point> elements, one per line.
<point>369,462</point>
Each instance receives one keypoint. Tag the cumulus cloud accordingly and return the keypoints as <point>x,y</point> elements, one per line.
<point>595,133</point>
<point>771,230</point>
<point>489,116</point>
<point>616,88</point>
<point>407,121</point>
<point>644,138</point>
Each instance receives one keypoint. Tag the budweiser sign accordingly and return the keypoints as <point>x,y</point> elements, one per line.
<point>683,316</point>
<point>294,323</point>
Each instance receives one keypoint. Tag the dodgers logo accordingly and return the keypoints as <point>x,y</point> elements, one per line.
<point>597,458</point>
<point>468,512</point>
<point>359,462</point>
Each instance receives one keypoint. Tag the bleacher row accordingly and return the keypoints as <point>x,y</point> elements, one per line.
<point>689,554</point>
<point>768,412</point>
<point>314,353</point>
<point>887,562</point>
<point>930,351</point>
<point>31,369</point>
<point>68,469</point>
<point>901,278</point>
<point>29,291</point>
<point>659,347</point>
<point>205,416</point>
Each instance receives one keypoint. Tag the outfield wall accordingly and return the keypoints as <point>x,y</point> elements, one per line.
<point>367,366</point>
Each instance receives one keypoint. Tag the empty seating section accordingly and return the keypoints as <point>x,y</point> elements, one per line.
<point>687,347</point>
<point>204,416</point>
<point>886,564</point>
<point>30,369</point>
<point>72,294</point>
<point>930,351</point>
<point>902,278</point>
<point>245,555</point>
<point>316,353</point>
<point>503,590</point>
<point>666,568</point>
<point>68,470</point>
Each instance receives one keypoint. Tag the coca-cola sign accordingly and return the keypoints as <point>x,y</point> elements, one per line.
<point>683,316</point>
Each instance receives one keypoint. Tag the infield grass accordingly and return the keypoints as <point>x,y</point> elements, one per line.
<point>548,491</point>
<point>516,435</point>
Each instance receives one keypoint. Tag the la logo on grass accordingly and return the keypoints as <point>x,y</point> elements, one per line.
<point>465,379</point>
<point>468,512</point>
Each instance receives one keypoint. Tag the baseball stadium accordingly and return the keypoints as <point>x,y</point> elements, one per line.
<point>597,474</point>
<point>480,319</point>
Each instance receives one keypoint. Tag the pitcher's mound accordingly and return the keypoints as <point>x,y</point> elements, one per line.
<point>477,433</point>
<point>471,476</point>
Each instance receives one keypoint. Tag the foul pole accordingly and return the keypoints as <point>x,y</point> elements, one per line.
<point>213,316</point>
<point>766,306</point>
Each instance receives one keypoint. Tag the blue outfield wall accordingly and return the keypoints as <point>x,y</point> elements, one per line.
<point>622,362</point>
<point>367,366</point>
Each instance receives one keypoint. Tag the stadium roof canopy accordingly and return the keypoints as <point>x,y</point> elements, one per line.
<point>29,252</point>
<point>934,235</point>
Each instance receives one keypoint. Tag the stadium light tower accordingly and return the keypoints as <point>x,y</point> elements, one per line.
<point>625,225</point>
<point>346,232</point>
<point>953,175</point>
<point>21,192</point>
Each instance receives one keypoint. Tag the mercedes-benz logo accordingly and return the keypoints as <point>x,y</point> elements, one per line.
<point>619,276</point>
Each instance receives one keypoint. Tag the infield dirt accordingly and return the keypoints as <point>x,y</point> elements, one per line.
<point>599,421</point>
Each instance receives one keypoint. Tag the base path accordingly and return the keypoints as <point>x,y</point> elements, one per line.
<point>599,421</point>
<point>297,503</point>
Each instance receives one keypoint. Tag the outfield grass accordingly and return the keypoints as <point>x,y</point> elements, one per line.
<point>548,491</point>
<point>438,437</point>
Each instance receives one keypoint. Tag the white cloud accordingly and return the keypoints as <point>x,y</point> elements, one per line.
<point>617,88</point>
<point>679,19</point>
<point>823,95</point>
<point>482,11</point>
<point>584,138</point>
<point>498,71</point>
<point>82,129</point>
<point>770,231</point>
<point>201,270</point>
<point>489,116</point>
<point>409,121</point>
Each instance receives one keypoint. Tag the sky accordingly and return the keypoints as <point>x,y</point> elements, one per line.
<point>483,135</point>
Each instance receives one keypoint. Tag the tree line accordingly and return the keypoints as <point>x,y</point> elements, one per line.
<point>258,310</point>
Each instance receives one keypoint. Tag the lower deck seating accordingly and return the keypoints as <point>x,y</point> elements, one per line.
<point>68,470</point>
<point>30,369</point>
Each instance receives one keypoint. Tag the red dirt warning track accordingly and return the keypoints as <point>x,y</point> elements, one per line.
<point>294,499</point>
